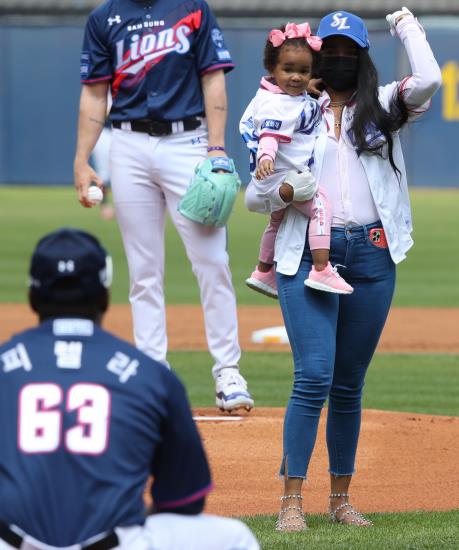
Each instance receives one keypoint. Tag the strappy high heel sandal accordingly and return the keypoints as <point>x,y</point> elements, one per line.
<point>350,516</point>
<point>291,517</point>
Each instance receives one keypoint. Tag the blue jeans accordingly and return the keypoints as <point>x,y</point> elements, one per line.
<point>333,338</point>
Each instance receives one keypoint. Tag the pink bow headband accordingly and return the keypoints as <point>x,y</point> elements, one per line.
<point>292,30</point>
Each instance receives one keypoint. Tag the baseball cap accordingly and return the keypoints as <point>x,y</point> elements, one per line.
<point>343,23</point>
<point>69,265</point>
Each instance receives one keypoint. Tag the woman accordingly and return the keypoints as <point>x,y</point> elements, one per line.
<point>359,164</point>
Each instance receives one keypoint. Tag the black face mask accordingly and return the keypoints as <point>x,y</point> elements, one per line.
<point>340,73</point>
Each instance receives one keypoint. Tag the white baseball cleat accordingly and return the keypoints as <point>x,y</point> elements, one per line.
<point>231,391</point>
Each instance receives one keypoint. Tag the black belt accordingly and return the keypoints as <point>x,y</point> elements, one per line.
<point>159,127</point>
<point>15,540</point>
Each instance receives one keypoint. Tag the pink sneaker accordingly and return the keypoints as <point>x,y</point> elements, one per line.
<point>263,282</point>
<point>328,280</point>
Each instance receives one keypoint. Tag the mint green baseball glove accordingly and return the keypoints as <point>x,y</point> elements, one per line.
<point>210,196</point>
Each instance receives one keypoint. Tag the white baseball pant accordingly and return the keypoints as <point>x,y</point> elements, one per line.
<point>172,532</point>
<point>101,155</point>
<point>149,176</point>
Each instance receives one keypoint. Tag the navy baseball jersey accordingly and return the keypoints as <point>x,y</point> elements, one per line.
<point>154,54</point>
<point>84,418</point>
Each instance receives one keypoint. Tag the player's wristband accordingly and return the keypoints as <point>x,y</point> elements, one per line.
<point>215,148</point>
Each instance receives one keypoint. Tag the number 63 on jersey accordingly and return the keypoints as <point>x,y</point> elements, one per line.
<point>40,418</point>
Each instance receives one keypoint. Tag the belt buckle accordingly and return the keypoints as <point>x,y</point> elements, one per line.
<point>159,128</point>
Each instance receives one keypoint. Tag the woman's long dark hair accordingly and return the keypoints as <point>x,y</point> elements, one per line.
<point>369,112</point>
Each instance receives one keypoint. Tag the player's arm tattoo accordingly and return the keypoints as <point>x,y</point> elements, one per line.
<point>99,122</point>
<point>215,106</point>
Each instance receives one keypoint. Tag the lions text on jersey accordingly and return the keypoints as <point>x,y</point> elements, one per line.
<point>154,54</point>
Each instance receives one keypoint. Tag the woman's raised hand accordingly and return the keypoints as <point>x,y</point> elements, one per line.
<point>394,18</point>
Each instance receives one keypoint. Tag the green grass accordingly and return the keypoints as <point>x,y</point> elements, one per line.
<point>407,531</point>
<point>26,213</point>
<point>420,282</point>
<point>421,383</point>
<point>414,383</point>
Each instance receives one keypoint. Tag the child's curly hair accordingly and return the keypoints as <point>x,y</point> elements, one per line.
<point>271,54</point>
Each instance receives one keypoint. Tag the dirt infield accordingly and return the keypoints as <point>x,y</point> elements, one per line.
<point>405,462</point>
<point>407,329</point>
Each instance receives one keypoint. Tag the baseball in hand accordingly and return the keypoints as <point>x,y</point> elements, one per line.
<point>95,194</point>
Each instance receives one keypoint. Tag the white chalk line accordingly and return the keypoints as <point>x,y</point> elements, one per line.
<point>217,418</point>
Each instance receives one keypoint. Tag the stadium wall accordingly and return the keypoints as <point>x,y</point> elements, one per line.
<point>39,92</point>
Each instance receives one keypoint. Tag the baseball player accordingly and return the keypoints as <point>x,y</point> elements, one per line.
<point>85,419</point>
<point>164,62</point>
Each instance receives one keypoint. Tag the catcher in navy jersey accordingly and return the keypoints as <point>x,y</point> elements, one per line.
<point>163,62</point>
<point>86,418</point>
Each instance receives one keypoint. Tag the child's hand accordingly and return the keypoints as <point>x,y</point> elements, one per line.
<point>265,169</point>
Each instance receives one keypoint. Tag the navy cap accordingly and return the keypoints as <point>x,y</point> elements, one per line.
<point>343,23</point>
<point>69,265</point>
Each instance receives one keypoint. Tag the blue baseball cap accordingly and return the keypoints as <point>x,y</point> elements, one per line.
<point>69,265</point>
<point>343,23</point>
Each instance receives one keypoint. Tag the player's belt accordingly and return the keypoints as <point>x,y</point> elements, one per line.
<point>15,540</point>
<point>159,128</point>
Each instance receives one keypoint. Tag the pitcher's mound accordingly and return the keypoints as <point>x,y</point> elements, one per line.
<point>405,462</point>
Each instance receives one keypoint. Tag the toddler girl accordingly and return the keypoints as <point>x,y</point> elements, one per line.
<point>280,127</point>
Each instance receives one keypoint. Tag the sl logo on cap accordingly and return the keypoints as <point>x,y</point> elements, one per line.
<point>340,22</point>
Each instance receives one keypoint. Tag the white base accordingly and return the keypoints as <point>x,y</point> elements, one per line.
<point>272,335</point>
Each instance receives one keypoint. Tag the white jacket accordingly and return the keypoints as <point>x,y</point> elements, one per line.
<point>389,194</point>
